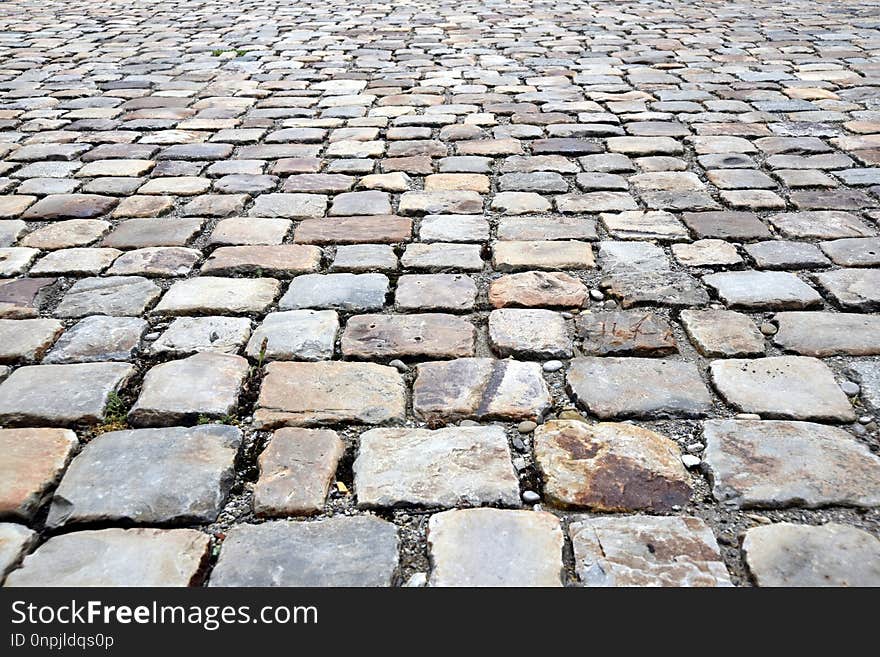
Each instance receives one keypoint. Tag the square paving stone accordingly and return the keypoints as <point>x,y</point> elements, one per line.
<point>276,260</point>
<point>852,289</point>
<point>33,461</point>
<point>151,476</point>
<point>775,464</point>
<point>610,467</point>
<point>762,290</point>
<point>435,292</point>
<point>627,332</point>
<point>296,470</point>
<point>782,387</point>
<point>343,551</point>
<point>479,388</point>
<point>188,335</point>
<point>453,228</point>
<point>161,231</point>
<point>790,555</point>
<point>638,225</point>
<point>206,384</point>
<point>116,557</point>
<point>647,551</point>
<point>21,298</point>
<point>741,226</point>
<point>824,334</point>
<point>159,261</point>
<point>117,296</point>
<point>311,394</point>
<point>456,466</point>
<point>529,333</point>
<point>537,288</point>
<point>520,255</point>
<point>289,206</point>
<point>351,292</point>
<point>10,231</point>
<point>780,254</point>
<point>432,335</point>
<point>638,387</point>
<point>213,295</point>
<point>354,230</point>
<point>442,257</point>
<point>819,224</point>
<point>98,339</point>
<point>851,252</point>
<point>69,206</point>
<point>495,547</point>
<point>60,395</point>
<point>15,541</point>
<point>242,231</point>
<point>359,258</point>
<point>15,261</point>
<point>27,340</point>
<point>723,333</point>
<point>295,335</point>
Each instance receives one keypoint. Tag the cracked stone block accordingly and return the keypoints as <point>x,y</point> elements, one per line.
<point>355,551</point>
<point>435,292</point>
<point>352,292</point>
<point>627,332</point>
<point>537,288</point>
<point>27,340</point>
<point>15,541</point>
<point>60,395</point>
<point>206,384</point>
<point>149,476</point>
<point>432,335</point>
<point>639,225</point>
<point>529,333</point>
<point>455,466</point>
<point>213,295</point>
<point>295,335</point>
<point>98,339</point>
<point>33,462</point>
<point>791,555</point>
<point>296,470</point>
<point>647,551</point>
<point>188,335</point>
<point>638,387</point>
<point>763,290</point>
<point>824,334</point>
<point>310,394</point>
<point>479,388</point>
<point>116,557</point>
<point>852,289</point>
<point>117,296</point>
<point>495,547</point>
<point>723,333</point>
<point>782,387</point>
<point>610,467</point>
<point>777,463</point>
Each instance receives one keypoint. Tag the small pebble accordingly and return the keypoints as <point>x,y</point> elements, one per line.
<point>747,416</point>
<point>610,304</point>
<point>566,315</point>
<point>519,463</point>
<point>530,497</point>
<point>596,295</point>
<point>468,423</point>
<point>399,365</point>
<point>676,507</point>
<point>526,426</point>
<point>859,429</point>
<point>569,414</point>
<point>849,388</point>
<point>518,444</point>
<point>553,366</point>
<point>417,580</point>
<point>152,336</point>
<point>866,419</point>
<point>690,461</point>
<point>693,448</point>
<point>768,329</point>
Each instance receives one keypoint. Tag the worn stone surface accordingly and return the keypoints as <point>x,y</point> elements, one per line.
<point>116,557</point>
<point>295,335</point>
<point>455,466</point>
<point>98,339</point>
<point>782,387</point>
<point>638,387</point>
<point>825,334</point>
<point>339,291</point>
<point>27,340</point>
<point>309,394</point>
<point>762,290</point>
<point>33,461</point>
<point>647,551</point>
<point>777,463</point>
<point>786,554</point>
<point>360,551</point>
<point>188,335</point>
<point>60,395</point>
<point>632,332</point>
<point>150,476</point>
<point>206,384</point>
<point>119,296</point>
<point>610,467</point>
<point>529,333</point>
<point>429,335</point>
<point>479,388</point>
<point>722,333</point>
<point>296,470</point>
<point>15,541</point>
<point>206,295</point>
<point>537,288</point>
<point>494,547</point>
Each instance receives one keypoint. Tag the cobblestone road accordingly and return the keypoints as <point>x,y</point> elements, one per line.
<point>458,293</point>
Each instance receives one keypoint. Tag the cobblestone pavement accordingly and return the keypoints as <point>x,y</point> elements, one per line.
<point>457,293</point>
